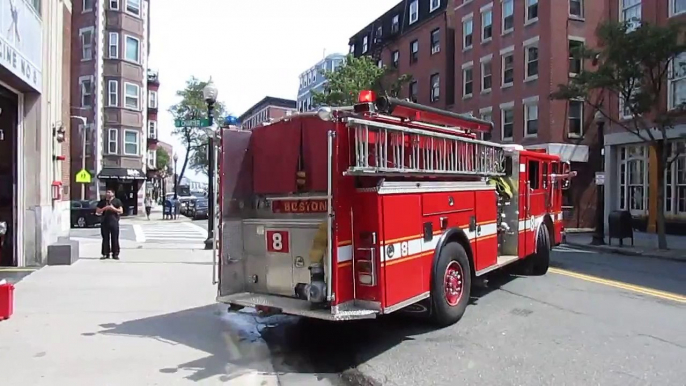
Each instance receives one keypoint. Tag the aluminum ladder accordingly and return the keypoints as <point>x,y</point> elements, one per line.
<point>387,149</point>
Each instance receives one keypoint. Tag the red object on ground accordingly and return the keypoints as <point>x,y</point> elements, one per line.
<point>6,301</point>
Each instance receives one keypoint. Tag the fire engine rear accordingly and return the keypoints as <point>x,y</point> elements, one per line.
<point>349,213</point>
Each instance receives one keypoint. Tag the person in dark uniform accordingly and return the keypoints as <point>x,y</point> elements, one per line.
<point>110,208</point>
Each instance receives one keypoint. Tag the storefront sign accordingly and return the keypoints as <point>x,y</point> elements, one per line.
<point>304,206</point>
<point>21,41</point>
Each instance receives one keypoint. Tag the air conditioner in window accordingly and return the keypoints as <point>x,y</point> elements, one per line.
<point>435,49</point>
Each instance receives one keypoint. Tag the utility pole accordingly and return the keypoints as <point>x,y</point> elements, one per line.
<point>599,235</point>
<point>210,94</point>
<point>84,129</point>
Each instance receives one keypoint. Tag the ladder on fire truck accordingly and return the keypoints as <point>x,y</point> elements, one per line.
<point>392,149</point>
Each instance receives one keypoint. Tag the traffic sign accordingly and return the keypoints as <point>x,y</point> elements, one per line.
<point>192,123</point>
<point>83,177</point>
<point>600,178</point>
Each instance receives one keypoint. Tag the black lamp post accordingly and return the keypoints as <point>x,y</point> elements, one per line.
<point>599,235</point>
<point>176,179</point>
<point>210,94</point>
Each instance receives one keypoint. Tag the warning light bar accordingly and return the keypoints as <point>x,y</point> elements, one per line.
<point>366,96</point>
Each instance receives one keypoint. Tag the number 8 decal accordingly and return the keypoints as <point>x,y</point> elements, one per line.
<point>277,241</point>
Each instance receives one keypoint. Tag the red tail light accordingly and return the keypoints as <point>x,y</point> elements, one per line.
<point>367,96</point>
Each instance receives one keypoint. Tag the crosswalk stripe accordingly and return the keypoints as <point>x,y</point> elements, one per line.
<point>175,232</point>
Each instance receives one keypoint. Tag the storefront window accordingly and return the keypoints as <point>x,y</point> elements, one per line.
<point>675,182</point>
<point>633,179</point>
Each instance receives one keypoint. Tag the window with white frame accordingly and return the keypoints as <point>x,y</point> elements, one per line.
<point>87,6</point>
<point>352,48</point>
<point>625,103</point>
<point>531,60</point>
<point>414,11</point>
<point>487,24</point>
<point>435,84</point>
<point>114,45</point>
<point>467,81</point>
<point>114,5</point>
<point>86,35</point>
<point>531,10</point>
<point>677,7</point>
<point>487,115</point>
<point>435,41</point>
<point>131,142</point>
<point>152,129</point>
<point>576,63</point>
<point>507,122</point>
<point>414,51</point>
<point>576,8</point>
<point>675,181</point>
<point>508,16</point>
<point>633,178</point>
<point>395,58</point>
<point>379,32</point>
<point>152,99</point>
<point>677,82</point>
<point>395,24</point>
<point>132,93</point>
<point>113,93</point>
<point>152,159</point>
<point>434,5</point>
<point>575,117</point>
<point>467,33</point>
<point>486,76</point>
<point>133,7</point>
<point>86,86</point>
<point>413,91</point>
<point>508,69</point>
<point>630,12</point>
<point>379,63</point>
<point>112,141</point>
<point>133,50</point>
<point>531,118</point>
<point>365,44</point>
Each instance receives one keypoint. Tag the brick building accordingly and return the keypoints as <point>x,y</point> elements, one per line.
<point>109,88</point>
<point>266,110</point>
<point>500,60</point>
<point>152,131</point>
<point>631,166</point>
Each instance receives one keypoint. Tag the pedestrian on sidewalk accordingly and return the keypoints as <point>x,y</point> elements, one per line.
<point>110,208</point>
<point>148,205</point>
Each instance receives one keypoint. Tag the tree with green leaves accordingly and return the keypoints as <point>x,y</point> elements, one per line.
<point>162,159</point>
<point>194,139</point>
<point>633,65</point>
<point>357,74</point>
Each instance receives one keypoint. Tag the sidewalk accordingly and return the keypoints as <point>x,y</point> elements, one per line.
<point>149,319</point>
<point>645,244</point>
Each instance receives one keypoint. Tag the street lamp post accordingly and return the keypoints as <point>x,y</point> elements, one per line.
<point>599,235</point>
<point>176,179</point>
<point>83,120</point>
<point>210,94</point>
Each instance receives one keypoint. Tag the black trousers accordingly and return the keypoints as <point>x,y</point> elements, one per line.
<point>110,238</point>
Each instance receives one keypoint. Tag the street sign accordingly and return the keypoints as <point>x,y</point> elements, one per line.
<point>192,123</point>
<point>600,178</point>
<point>83,177</point>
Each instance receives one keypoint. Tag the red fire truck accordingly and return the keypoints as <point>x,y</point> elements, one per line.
<point>349,213</point>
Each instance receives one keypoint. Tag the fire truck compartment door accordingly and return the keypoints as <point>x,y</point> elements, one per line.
<point>275,256</point>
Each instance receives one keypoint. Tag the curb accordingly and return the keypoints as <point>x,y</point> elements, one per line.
<point>619,251</point>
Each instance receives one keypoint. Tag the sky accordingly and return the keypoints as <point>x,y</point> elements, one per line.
<point>250,48</point>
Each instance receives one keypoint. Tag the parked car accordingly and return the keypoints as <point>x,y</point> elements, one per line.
<point>199,209</point>
<point>83,214</point>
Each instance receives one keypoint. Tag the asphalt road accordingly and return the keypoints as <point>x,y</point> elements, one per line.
<point>595,319</point>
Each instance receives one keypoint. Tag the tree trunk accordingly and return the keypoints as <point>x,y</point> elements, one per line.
<point>183,168</point>
<point>659,147</point>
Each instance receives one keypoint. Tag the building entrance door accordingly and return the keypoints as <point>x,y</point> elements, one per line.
<point>8,176</point>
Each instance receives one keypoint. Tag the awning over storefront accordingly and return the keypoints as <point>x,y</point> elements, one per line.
<point>568,152</point>
<point>122,174</point>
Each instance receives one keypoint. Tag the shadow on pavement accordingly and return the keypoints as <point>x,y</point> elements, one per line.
<point>237,343</point>
<point>662,275</point>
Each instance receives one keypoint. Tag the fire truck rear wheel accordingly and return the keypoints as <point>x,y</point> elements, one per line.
<point>541,260</point>
<point>451,285</point>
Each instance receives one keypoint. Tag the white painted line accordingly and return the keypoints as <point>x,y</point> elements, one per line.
<point>200,229</point>
<point>138,231</point>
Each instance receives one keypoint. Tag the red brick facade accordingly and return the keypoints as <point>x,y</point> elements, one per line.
<point>66,105</point>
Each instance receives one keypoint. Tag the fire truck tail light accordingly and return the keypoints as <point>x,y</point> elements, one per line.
<point>367,96</point>
<point>365,279</point>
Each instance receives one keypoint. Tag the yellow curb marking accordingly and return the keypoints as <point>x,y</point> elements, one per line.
<point>616,284</point>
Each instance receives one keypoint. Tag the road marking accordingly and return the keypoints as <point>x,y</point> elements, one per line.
<point>138,231</point>
<point>202,230</point>
<point>616,284</point>
<point>18,269</point>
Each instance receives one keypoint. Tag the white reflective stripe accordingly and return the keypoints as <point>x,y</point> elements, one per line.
<point>418,245</point>
<point>345,253</point>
